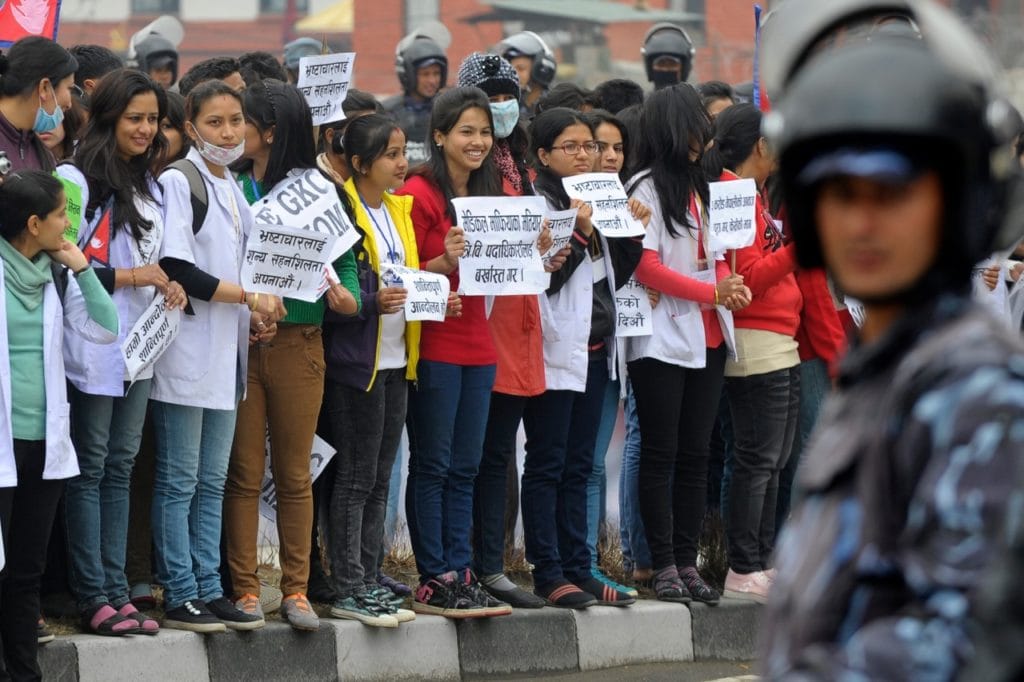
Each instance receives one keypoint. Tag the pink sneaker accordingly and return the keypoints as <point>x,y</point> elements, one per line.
<point>747,586</point>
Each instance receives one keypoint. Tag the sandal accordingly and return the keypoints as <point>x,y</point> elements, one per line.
<point>669,587</point>
<point>104,620</point>
<point>147,625</point>
<point>698,589</point>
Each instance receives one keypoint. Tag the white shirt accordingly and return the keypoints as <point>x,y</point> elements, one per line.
<point>205,366</point>
<point>389,246</point>
<point>98,369</point>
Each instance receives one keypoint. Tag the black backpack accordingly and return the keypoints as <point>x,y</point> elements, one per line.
<point>197,189</point>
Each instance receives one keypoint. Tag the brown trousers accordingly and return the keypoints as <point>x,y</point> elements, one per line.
<point>285,389</point>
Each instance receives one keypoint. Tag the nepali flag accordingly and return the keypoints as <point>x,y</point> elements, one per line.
<point>22,18</point>
<point>760,98</point>
<point>97,249</point>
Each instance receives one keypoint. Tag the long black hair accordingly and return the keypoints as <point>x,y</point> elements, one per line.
<point>737,130</point>
<point>674,122</point>
<point>29,61</point>
<point>24,194</point>
<point>367,137</point>
<point>97,155</point>
<point>632,118</point>
<point>269,104</point>
<point>448,109</point>
<point>544,130</point>
<point>599,117</point>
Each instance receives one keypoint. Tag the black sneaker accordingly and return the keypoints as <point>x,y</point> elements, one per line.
<point>43,633</point>
<point>444,596</point>
<point>233,617</point>
<point>194,617</point>
<point>472,589</point>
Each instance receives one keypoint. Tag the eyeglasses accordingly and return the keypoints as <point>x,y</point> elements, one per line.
<point>77,91</point>
<point>573,148</point>
<point>602,147</point>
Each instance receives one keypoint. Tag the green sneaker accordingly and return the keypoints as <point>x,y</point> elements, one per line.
<point>393,603</point>
<point>598,575</point>
<point>365,609</point>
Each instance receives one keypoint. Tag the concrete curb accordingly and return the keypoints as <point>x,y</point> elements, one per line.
<point>527,642</point>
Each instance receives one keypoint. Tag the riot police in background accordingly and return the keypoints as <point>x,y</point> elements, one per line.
<point>897,171</point>
<point>422,69</point>
<point>668,55</point>
<point>534,63</point>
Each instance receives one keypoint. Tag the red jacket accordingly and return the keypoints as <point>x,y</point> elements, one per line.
<point>462,340</point>
<point>767,267</point>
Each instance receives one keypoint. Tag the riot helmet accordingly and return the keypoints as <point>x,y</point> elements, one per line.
<point>665,41</point>
<point>529,44</point>
<point>420,52</point>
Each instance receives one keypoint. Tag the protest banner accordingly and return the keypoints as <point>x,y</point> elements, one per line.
<point>22,18</point>
<point>323,81</point>
<point>152,334</point>
<point>632,310</point>
<point>73,193</point>
<point>731,215</point>
<point>606,195</point>
<point>561,224</point>
<point>286,261</point>
<point>501,257</point>
<point>426,292</point>
<point>310,201</point>
<point>319,458</point>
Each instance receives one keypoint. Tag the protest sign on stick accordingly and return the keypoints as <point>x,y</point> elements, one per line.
<point>606,195</point>
<point>632,310</point>
<point>152,334</point>
<point>501,257</point>
<point>731,215</point>
<point>426,292</point>
<point>323,81</point>
<point>286,261</point>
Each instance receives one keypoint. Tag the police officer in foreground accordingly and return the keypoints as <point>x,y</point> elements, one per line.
<point>897,175</point>
<point>668,55</point>
<point>422,69</point>
<point>534,63</point>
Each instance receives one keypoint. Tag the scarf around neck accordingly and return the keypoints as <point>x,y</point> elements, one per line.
<point>25,278</point>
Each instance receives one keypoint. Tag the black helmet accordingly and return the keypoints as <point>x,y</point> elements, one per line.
<point>155,51</point>
<point>901,94</point>
<point>529,44</point>
<point>422,51</point>
<point>667,40</point>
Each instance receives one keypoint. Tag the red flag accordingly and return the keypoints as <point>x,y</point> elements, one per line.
<point>98,248</point>
<point>21,18</point>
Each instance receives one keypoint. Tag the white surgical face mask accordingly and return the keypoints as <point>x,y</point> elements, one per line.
<point>505,115</point>
<point>219,156</point>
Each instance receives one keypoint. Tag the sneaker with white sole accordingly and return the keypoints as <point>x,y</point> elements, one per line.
<point>364,608</point>
<point>747,586</point>
<point>443,596</point>
<point>233,617</point>
<point>393,603</point>
<point>193,616</point>
<point>299,613</point>
<point>618,587</point>
<point>270,598</point>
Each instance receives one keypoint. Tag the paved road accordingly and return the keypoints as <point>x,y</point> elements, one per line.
<point>662,672</point>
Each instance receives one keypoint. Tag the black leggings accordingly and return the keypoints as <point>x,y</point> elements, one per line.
<point>676,408</point>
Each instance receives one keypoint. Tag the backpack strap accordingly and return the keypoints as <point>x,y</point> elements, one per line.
<point>197,190</point>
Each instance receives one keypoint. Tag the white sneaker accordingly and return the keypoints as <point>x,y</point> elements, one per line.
<point>747,586</point>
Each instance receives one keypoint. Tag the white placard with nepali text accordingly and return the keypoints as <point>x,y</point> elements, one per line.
<point>319,458</point>
<point>323,81</point>
<point>606,195</point>
<point>286,261</point>
<point>632,310</point>
<point>310,201</point>
<point>501,257</point>
<point>426,292</point>
<point>731,215</point>
<point>152,334</point>
<point>561,224</point>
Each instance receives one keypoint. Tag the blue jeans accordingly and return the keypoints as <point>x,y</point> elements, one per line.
<point>394,493</point>
<point>764,415</point>
<point>597,484</point>
<point>193,446</point>
<point>107,433</point>
<point>448,410</point>
<point>635,551</point>
<point>560,439</point>
<point>814,386</point>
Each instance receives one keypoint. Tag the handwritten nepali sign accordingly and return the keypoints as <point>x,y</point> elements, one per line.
<point>632,310</point>
<point>152,334</point>
<point>561,224</point>
<point>501,257</point>
<point>310,201</point>
<point>286,261</point>
<point>319,457</point>
<point>606,195</point>
<point>731,209</point>
<point>73,194</point>
<point>323,81</point>
<point>426,292</point>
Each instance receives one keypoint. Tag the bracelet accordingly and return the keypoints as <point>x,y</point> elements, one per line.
<point>255,301</point>
<point>241,299</point>
<point>716,294</point>
<point>134,286</point>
